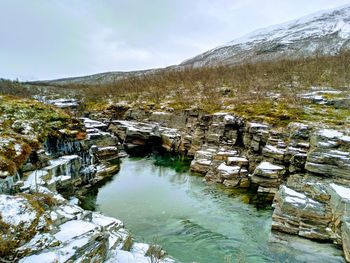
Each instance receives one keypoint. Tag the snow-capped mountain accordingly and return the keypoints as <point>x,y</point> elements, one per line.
<point>325,32</point>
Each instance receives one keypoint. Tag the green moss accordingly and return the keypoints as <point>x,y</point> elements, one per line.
<point>95,106</point>
<point>278,113</point>
<point>327,114</point>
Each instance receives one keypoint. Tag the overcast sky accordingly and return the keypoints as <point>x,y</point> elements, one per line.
<point>45,39</point>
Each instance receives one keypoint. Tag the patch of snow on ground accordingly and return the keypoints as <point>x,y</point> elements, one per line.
<point>73,229</point>
<point>18,149</point>
<point>15,210</point>
<point>331,134</point>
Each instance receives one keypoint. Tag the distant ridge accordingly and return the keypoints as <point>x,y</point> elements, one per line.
<point>325,33</point>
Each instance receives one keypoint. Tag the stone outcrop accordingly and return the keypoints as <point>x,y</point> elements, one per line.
<point>301,167</point>
<point>330,154</point>
<point>41,226</point>
<point>142,137</point>
<point>37,224</point>
<point>295,213</point>
<point>202,136</point>
<point>305,169</point>
<point>323,188</point>
<point>64,232</point>
<point>268,177</point>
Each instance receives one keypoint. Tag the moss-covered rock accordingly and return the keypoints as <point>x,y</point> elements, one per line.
<point>25,124</point>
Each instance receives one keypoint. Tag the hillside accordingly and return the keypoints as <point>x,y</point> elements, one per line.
<point>271,89</point>
<point>99,78</point>
<point>323,33</point>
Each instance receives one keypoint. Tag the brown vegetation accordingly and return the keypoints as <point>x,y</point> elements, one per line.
<point>24,126</point>
<point>242,82</point>
<point>264,90</point>
<point>13,236</point>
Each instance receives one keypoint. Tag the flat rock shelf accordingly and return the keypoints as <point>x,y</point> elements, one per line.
<point>162,203</point>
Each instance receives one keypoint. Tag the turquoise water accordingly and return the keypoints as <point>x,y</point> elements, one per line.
<point>160,202</point>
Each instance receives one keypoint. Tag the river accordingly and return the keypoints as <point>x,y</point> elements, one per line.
<point>161,202</point>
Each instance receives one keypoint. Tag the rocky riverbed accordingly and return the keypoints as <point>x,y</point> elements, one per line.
<point>37,223</point>
<point>302,170</point>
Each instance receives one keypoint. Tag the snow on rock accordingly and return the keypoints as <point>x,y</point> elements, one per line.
<point>75,235</point>
<point>296,213</point>
<point>340,202</point>
<point>64,103</point>
<point>273,149</point>
<point>229,169</point>
<point>136,254</point>
<point>62,169</point>
<point>73,229</point>
<point>35,178</point>
<point>331,134</point>
<point>105,221</point>
<point>329,154</point>
<point>266,166</point>
<point>236,160</point>
<point>293,196</point>
<point>91,124</point>
<point>61,254</point>
<point>15,210</point>
<point>342,191</point>
<point>257,125</point>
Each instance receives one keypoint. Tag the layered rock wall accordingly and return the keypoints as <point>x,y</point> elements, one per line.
<point>303,168</point>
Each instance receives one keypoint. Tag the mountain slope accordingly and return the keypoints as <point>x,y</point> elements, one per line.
<point>99,78</point>
<point>325,32</point>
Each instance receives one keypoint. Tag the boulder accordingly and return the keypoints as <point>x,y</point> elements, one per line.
<point>236,160</point>
<point>273,153</point>
<point>295,213</point>
<point>269,170</point>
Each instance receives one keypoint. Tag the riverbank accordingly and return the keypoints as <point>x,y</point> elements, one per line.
<point>162,202</point>
<point>50,153</point>
<point>302,168</point>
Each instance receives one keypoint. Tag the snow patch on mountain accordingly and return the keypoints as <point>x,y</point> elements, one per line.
<point>325,32</point>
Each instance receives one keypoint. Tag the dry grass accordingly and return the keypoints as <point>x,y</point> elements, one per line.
<point>243,82</point>
<point>264,90</point>
<point>11,238</point>
<point>24,126</point>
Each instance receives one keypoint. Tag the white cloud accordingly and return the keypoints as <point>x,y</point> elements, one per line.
<point>51,39</point>
<point>104,47</point>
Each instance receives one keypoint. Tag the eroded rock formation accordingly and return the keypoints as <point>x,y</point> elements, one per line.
<point>303,168</point>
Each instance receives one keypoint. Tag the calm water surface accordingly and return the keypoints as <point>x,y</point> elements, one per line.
<point>160,202</point>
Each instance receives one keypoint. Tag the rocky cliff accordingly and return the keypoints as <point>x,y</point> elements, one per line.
<point>303,168</point>
<point>37,223</point>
